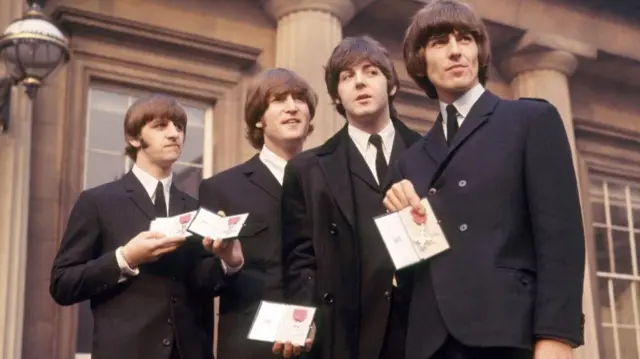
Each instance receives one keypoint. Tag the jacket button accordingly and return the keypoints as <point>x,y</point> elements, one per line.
<point>169,321</point>
<point>432,191</point>
<point>462,183</point>
<point>166,342</point>
<point>328,298</point>
<point>174,299</point>
<point>463,227</point>
<point>387,294</point>
<point>333,229</point>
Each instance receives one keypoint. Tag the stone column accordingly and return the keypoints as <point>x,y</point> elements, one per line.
<point>15,153</point>
<point>540,67</point>
<point>307,32</point>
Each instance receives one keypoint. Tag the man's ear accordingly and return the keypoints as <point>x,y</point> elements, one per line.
<point>259,124</point>
<point>135,142</point>
<point>393,91</point>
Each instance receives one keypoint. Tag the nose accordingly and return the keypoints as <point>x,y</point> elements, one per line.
<point>454,47</point>
<point>359,76</point>
<point>290,105</point>
<point>171,130</point>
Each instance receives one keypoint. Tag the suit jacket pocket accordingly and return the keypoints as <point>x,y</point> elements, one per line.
<point>252,228</point>
<point>522,279</point>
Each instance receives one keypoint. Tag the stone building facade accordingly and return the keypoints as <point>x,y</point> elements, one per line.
<point>583,59</point>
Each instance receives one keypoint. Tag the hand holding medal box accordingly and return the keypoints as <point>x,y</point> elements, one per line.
<point>410,237</point>
<point>175,226</point>
<point>211,225</point>
<point>276,322</point>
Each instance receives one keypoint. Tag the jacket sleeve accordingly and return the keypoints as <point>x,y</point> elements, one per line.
<point>298,255</point>
<point>558,233</point>
<point>207,275</point>
<point>80,270</point>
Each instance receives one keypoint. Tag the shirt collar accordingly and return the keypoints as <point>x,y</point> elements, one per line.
<point>274,163</point>
<point>150,183</point>
<point>361,138</point>
<point>464,103</point>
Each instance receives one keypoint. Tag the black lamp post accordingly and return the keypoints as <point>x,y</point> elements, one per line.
<point>32,47</point>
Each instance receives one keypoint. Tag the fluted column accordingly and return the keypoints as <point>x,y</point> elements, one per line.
<point>307,32</point>
<point>15,152</point>
<point>541,68</point>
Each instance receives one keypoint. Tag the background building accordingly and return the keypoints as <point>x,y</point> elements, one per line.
<point>581,55</point>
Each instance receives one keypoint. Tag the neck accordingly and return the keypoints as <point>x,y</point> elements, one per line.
<point>450,96</point>
<point>286,151</point>
<point>158,172</point>
<point>370,124</point>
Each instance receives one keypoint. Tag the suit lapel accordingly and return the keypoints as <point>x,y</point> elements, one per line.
<point>358,166</point>
<point>335,167</point>
<point>477,116</point>
<point>258,173</point>
<point>176,201</point>
<point>435,143</point>
<point>138,195</point>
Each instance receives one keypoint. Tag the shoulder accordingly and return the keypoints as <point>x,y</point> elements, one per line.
<point>230,175</point>
<point>528,104</point>
<point>102,191</point>
<point>305,159</point>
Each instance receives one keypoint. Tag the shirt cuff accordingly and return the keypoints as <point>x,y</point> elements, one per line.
<point>231,270</point>
<point>125,270</point>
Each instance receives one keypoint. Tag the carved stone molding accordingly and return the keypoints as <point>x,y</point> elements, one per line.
<point>534,51</point>
<point>344,10</point>
<point>136,34</point>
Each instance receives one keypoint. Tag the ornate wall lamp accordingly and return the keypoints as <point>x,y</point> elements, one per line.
<point>32,47</point>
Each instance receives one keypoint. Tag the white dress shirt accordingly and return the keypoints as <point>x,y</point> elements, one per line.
<point>463,105</point>
<point>275,164</point>
<point>367,150</point>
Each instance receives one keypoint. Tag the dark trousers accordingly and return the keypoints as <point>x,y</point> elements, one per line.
<point>175,354</point>
<point>396,332</point>
<point>453,349</point>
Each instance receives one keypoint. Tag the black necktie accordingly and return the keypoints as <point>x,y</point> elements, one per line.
<point>381,162</point>
<point>161,204</point>
<point>452,123</point>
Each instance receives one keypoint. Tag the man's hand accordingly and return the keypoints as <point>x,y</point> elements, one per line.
<point>229,252</point>
<point>401,195</point>
<point>552,349</point>
<point>289,350</point>
<point>149,246</point>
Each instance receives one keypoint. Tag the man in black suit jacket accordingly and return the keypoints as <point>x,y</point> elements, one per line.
<point>333,256</point>
<point>279,108</point>
<point>151,296</point>
<point>500,179</point>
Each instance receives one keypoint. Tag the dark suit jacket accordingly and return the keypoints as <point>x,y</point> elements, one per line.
<point>249,187</point>
<point>506,195</point>
<point>321,251</point>
<point>171,299</point>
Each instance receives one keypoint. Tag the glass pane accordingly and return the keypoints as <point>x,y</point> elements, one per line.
<point>105,131</point>
<point>602,250</point>
<point>108,101</point>
<point>608,346</point>
<point>103,168</point>
<point>635,204</point>
<point>597,211</point>
<point>622,252</point>
<point>187,179</point>
<point>618,214</point>
<point>628,343</point>
<point>605,303</point>
<point>195,116</point>
<point>596,188</point>
<point>193,146</point>
<point>624,301</point>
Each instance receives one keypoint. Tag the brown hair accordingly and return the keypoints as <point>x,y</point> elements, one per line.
<point>146,110</point>
<point>351,51</point>
<point>442,17</point>
<point>267,86</point>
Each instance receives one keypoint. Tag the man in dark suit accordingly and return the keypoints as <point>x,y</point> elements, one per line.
<point>333,256</point>
<point>279,108</point>
<point>500,179</point>
<point>151,296</point>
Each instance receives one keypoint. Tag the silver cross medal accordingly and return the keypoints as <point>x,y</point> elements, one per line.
<point>424,238</point>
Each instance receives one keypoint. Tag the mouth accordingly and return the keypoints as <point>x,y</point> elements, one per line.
<point>456,67</point>
<point>291,121</point>
<point>363,97</point>
<point>172,146</point>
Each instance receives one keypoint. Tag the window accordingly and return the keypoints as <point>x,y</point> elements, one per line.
<point>105,160</point>
<point>616,227</point>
